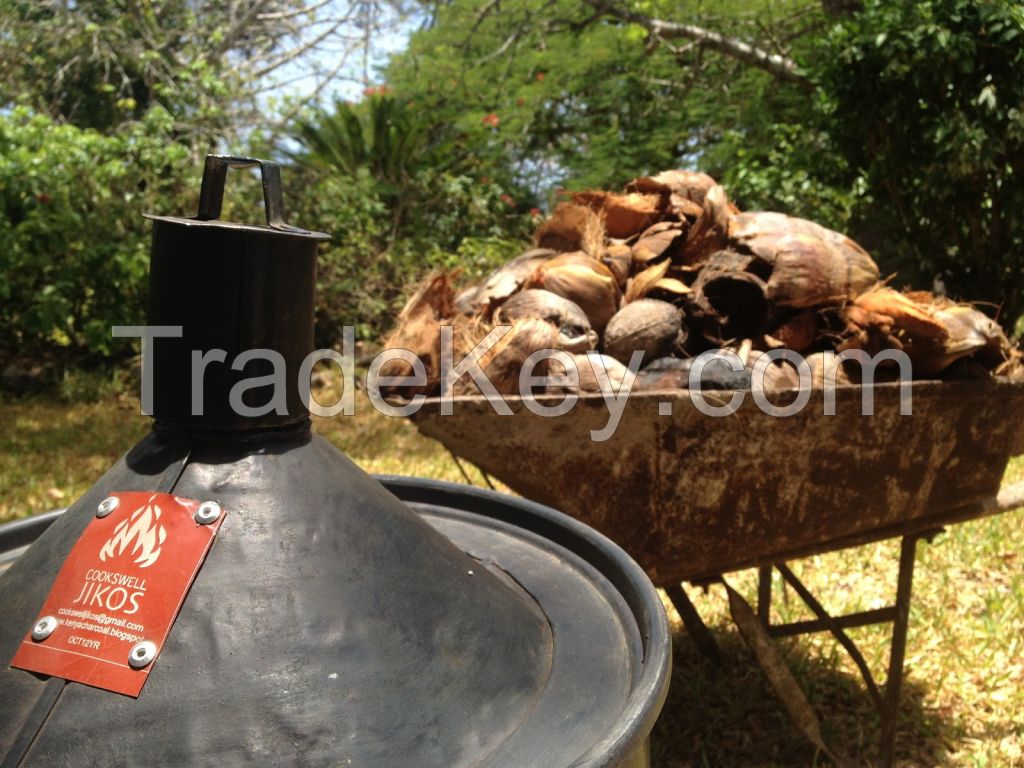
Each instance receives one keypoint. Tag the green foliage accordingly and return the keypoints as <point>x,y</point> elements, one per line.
<point>924,103</point>
<point>387,143</point>
<point>73,245</point>
<point>97,65</point>
<point>567,99</point>
<point>367,267</point>
<point>398,201</point>
<point>909,134</point>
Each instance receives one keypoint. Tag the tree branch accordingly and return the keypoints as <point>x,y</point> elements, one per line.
<point>777,65</point>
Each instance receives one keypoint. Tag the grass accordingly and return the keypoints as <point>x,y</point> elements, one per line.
<point>964,690</point>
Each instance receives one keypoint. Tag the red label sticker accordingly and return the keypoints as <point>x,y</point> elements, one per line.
<point>117,594</point>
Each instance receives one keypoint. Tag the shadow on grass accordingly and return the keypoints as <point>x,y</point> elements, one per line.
<point>729,717</point>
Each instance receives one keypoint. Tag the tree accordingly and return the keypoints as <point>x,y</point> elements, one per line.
<point>216,65</point>
<point>590,96</point>
<point>925,103</point>
<point>900,123</point>
<point>400,195</point>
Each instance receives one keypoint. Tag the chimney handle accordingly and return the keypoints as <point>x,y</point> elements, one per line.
<point>211,194</point>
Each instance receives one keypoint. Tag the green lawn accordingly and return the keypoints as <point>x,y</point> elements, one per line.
<point>964,693</point>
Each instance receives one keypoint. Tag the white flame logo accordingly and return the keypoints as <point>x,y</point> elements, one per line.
<point>141,533</point>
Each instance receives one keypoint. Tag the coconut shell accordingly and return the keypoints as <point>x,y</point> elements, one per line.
<point>649,326</point>
<point>574,331</point>
<point>691,186</point>
<point>615,371</point>
<point>839,268</point>
<point>643,282</point>
<point>660,241</point>
<point>798,332</point>
<point>419,330</point>
<point>503,362</point>
<point>623,215</point>
<point>709,232</point>
<point>571,227</point>
<point>583,280</point>
<point>509,278</point>
<point>618,258</point>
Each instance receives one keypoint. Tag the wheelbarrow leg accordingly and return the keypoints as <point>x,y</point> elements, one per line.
<point>695,626</point>
<point>764,595</point>
<point>887,699</point>
<point>897,652</point>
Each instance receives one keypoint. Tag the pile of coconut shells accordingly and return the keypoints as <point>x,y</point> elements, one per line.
<point>671,268</point>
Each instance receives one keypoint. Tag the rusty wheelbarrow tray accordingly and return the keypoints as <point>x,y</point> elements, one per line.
<point>692,496</point>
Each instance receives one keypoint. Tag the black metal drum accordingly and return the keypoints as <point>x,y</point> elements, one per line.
<point>336,620</point>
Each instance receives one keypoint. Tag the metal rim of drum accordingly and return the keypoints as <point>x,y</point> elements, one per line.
<point>650,687</point>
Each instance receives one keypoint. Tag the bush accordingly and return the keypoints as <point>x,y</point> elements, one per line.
<point>365,271</point>
<point>401,193</point>
<point>74,248</point>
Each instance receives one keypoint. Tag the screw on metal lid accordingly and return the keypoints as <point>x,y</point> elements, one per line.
<point>107,506</point>
<point>208,512</point>
<point>142,654</point>
<point>44,628</point>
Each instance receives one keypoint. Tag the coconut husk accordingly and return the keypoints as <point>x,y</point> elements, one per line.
<point>1012,367</point>
<point>820,365</point>
<point>779,376</point>
<point>583,280</point>
<point>663,240</point>
<point>728,302</point>
<point>798,333</point>
<point>615,370</point>
<point>808,272</point>
<point>507,279</point>
<point>710,232</point>
<point>465,301</point>
<point>423,338</point>
<point>503,362</point>
<point>571,227</point>
<point>670,289</point>
<point>641,283</point>
<point>973,341</point>
<point>623,215</point>
<point>886,319</point>
<point>673,373</point>
<point>910,320</point>
<point>574,331</point>
<point>691,186</point>
<point>418,329</point>
<point>972,332</point>
<point>618,258</point>
<point>839,268</point>
<point>649,326</point>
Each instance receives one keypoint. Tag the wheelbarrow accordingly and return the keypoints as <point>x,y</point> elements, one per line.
<point>693,497</point>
